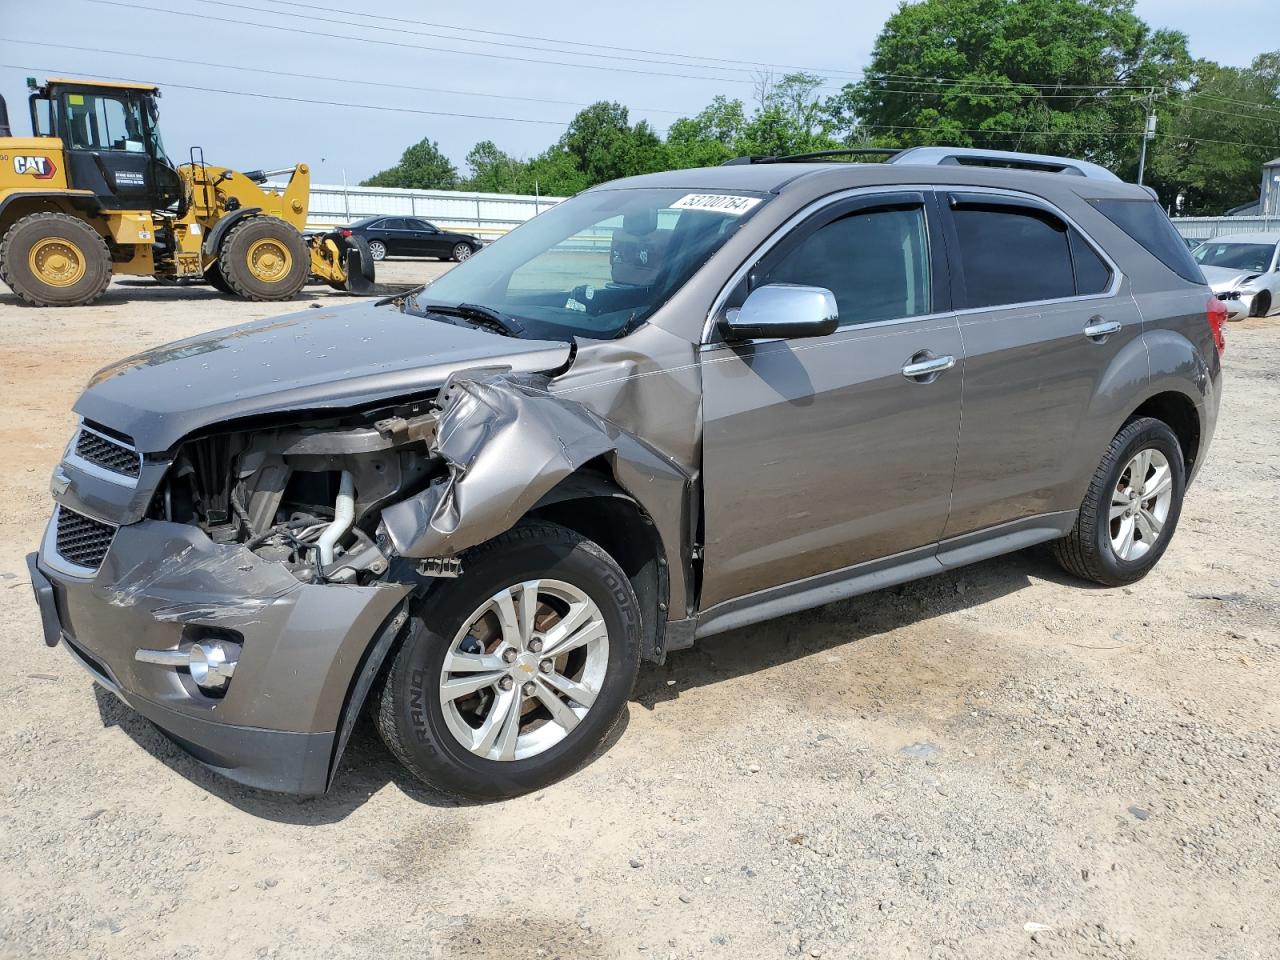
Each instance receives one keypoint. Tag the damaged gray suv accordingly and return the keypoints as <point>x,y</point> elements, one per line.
<point>668,407</point>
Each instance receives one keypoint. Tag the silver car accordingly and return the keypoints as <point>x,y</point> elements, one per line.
<point>1243,270</point>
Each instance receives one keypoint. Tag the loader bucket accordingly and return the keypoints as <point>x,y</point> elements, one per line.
<point>344,263</point>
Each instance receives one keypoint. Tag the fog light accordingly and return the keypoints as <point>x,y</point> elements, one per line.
<point>212,662</point>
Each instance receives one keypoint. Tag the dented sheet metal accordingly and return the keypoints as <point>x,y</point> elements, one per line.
<point>507,441</point>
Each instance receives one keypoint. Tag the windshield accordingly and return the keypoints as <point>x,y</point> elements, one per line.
<point>105,122</point>
<point>595,266</point>
<point>1254,257</point>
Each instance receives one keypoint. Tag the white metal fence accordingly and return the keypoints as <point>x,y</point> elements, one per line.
<point>1203,228</point>
<point>486,214</point>
<point>493,214</point>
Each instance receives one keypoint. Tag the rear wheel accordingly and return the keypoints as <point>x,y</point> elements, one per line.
<point>461,251</point>
<point>511,675</point>
<point>1131,509</point>
<point>264,258</point>
<point>54,260</point>
<point>377,250</point>
<point>215,279</point>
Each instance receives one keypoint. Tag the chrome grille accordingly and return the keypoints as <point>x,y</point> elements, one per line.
<point>82,540</point>
<point>107,453</point>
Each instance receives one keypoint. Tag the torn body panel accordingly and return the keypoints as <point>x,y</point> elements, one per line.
<point>506,442</point>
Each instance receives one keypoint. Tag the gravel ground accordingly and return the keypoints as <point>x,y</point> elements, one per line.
<point>997,762</point>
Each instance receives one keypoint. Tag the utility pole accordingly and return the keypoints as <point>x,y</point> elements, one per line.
<point>1148,133</point>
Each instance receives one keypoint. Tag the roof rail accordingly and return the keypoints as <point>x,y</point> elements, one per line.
<point>817,155</point>
<point>969,156</point>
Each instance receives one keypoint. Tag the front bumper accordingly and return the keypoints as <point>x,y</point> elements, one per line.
<point>161,584</point>
<point>1239,302</point>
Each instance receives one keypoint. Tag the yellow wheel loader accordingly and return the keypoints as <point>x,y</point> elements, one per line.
<point>92,194</point>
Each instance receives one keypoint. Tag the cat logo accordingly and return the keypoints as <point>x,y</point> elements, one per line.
<point>41,168</point>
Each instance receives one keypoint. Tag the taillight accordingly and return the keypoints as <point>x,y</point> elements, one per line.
<point>1216,312</point>
<point>345,233</point>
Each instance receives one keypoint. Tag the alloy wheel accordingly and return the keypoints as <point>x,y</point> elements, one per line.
<point>1140,504</point>
<point>524,669</point>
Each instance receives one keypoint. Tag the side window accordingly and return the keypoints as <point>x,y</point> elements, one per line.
<point>391,223</point>
<point>1092,273</point>
<point>875,262</point>
<point>1012,255</point>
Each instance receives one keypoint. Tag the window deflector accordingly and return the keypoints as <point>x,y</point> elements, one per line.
<point>870,203</point>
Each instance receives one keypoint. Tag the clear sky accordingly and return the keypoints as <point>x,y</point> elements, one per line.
<point>124,39</point>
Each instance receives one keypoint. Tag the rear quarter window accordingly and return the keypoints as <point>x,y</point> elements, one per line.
<point>1146,223</point>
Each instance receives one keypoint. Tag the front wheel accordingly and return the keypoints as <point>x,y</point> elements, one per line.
<point>1131,509</point>
<point>461,251</point>
<point>511,675</point>
<point>264,258</point>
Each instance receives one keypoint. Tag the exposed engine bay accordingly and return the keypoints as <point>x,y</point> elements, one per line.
<point>307,496</point>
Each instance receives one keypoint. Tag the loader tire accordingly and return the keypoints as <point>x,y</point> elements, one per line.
<point>264,258</point>
<point>54,260</point>
<point>213,277</point>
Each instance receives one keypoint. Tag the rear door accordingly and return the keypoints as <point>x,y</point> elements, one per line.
<point>396,236</point>
<point>821,453</point>
<point>1042,317</point>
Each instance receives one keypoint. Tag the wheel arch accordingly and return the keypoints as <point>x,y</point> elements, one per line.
<point>1182,416</point>
<point>218,232</point>
<point>592,503</point>
<point>17,205</point>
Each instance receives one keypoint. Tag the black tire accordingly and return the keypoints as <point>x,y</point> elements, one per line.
<point>377,251</point>
<point>461,251</point>
<point>239,244</point>
<point>25,234</point>
<point>408,708</point>
<point>1261,304</point>
<point>1087,551</point>
<point>215,279</point>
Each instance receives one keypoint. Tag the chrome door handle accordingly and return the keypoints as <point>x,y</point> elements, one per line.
<point>1100,329</point>
<point>916,369</point>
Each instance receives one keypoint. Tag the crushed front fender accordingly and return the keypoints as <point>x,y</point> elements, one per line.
<point>506,442</point>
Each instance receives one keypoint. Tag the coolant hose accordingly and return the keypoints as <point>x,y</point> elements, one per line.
<point>344,511</point>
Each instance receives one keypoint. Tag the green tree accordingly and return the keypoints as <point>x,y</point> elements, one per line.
<point>421,167</point>
<point>791,118</point>
<point>605,146</point>
<point>709,138</point>
<point>493,171</point>
<point>1215,136</point>
<point>994,62</point>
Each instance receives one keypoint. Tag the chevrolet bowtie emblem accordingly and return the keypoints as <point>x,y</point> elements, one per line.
<point>59,482</point>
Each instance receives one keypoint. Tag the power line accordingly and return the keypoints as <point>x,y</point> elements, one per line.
<point>897,77</point>
<point>287,99</point>
<point>495,43</point>
<point>187,61</point>
<point>571,43</point>
<point>295,31</point>
<point>1225,113</point>
<point>1238,103</point>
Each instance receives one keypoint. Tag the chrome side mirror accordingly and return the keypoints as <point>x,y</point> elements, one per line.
<point>782,310</point>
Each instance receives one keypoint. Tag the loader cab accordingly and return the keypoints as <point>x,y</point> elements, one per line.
<point>111,140</point>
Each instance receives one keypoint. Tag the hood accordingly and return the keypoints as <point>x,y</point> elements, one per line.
<point>310,360</point>
<point>1225,278</point>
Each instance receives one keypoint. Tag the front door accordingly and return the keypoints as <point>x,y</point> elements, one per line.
<point>823,453</point>
<point>107,147</point>
<point>1043,314</point>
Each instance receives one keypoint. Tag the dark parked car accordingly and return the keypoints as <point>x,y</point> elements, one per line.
<point>669,407</point>
<point>411,237</point>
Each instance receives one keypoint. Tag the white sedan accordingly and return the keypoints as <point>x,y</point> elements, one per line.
<point>1243,270</point>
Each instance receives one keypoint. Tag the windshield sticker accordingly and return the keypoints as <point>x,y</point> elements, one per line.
<point>716,203</point>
